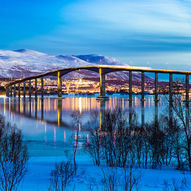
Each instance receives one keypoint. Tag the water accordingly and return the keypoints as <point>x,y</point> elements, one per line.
<point>48,127</point>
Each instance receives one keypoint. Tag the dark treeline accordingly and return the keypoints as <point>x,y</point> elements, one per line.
<point>162,142</point>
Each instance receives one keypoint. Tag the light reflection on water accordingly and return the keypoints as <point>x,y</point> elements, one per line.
<point>48,125</point>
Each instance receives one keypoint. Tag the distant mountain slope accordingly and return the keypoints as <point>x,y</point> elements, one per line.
<point>23,63</point>
<point>98,59</point>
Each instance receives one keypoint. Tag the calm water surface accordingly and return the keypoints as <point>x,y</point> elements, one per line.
<point>48,126</point>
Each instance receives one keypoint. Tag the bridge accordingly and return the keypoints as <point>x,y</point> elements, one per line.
<point>102,70</point>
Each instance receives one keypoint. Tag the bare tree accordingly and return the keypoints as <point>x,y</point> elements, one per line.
<point>94,147</point>
<point>76,125</point>
<point>61,176</point>
<point>13,157</point>
<point>131,178</point>
<point>125,179</point>
<point>182,112</point>
<point>110,179</point>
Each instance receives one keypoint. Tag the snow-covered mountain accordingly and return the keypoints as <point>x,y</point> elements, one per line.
<point>24,63</point>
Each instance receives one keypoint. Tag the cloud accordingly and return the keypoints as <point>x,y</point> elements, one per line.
<point>126,29</point>
<point>148,16</point>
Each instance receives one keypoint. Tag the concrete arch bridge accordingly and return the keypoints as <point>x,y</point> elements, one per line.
<point>102,70</point>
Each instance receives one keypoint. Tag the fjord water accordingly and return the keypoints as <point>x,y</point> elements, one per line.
<point>48,126</point>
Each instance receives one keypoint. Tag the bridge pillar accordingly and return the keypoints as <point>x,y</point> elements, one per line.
<point>14,90</point>
<point>142,86</point>
<point>24,104</point>
<point>30,107</point>
<point>35,88</point>
<point>11,91</point>
<point>19,90</point>
<point>130,86</point>
<point>7,92</point>
<point>29,89</point>
<point>156,87</point>
<point>187,89</point>
<point>24,90</point>
<point>170,87</point>
<point>59,85</point>
<point>42,87</point>
<point>102,84</point>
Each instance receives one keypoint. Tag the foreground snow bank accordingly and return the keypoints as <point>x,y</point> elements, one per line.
<point>39,168</point>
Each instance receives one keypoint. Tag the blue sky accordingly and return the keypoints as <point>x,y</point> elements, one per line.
<point>149,33</point>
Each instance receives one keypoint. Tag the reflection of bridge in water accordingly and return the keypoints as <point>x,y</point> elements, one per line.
<point>36,109</point>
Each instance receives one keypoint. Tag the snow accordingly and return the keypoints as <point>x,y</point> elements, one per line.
<point>38,175</point>
<point>24,63</point>
<point>36,62</point>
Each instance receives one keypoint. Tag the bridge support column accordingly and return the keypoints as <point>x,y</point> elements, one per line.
<point>14,90</point>
<point>30,107</point>
<point>170,87</point>
<point>35,109</point>
<point>36,98</point>
<point>142,86</point>
<point>7,92</point>
<point>42,88</point>
<point>130,86</point>
<point>59,85</point>
<point>11,91</point>
<point>29,89</point>
<point>187,89</point>
<point>35,88</point>
<point>102,84</point>
<point>24,90</point>
<point>156,87</point>
<point>24,105</point>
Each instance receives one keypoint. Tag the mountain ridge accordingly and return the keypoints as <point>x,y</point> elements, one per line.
<point>25,62</point>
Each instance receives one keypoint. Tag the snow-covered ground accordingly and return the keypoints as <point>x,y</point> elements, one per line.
<point>38,176</point>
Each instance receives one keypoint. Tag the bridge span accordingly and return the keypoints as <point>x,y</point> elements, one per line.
<point>102,70</point>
